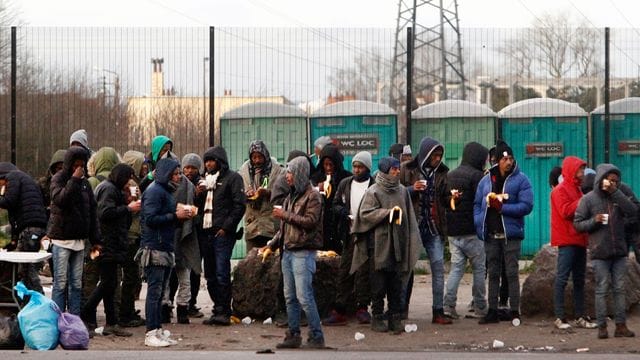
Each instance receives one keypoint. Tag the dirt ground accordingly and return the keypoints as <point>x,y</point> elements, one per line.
<point>534,334</point>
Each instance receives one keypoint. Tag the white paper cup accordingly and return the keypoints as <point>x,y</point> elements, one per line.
<point>423,182</point>
<point>515,322</point>
<point>45,244</point>
<point>133,190</point>
<point>497,344</point>
<point>605,220</point>
<point>277,206</point>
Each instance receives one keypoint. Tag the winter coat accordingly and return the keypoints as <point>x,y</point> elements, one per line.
<point>465,178</point>
<point>514,209</point>
<point>228,197</point>
<point>114,217</point>
<point>186,238</point>
<point>103,161</point>
<point>606,242</point>
<point>412,171</point>
<point>342,208</point>
<point>23,200</point>
<point>257,218</point>
<point>158,217</point>
<point>299,229</point>
<point>564,202</point>
<point>157,143</point>
<point>45,181</point>
<point>73,205</point>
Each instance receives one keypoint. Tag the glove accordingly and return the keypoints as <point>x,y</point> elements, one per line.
<point>495,203</point>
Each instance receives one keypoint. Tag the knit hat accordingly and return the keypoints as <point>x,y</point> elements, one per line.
<point>321,142</point>
<point>363,157</point>
<point>194,160</point>
<point>81,137</point>
<point>386,163</point>
<point>396,149</point>
<point>502,150</point>
<point>406,150</point>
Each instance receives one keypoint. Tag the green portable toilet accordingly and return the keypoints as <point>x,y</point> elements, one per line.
<point>624,145</point>
<point>356,126</point>
<point>454,123</point>
<point>282,128</point>
<point>541,133</point>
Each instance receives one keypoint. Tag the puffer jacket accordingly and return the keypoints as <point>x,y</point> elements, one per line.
<point>73,205</point>
<point>114,215</point>
<point>564,202</point>
<point>519,204</point>
<point>228,197</point>
<point>300,228</point>
<point>605,241</point>
<point>412,171</point>
<point>158,218</point>
<point>22,199</point>
<point>465,178</point>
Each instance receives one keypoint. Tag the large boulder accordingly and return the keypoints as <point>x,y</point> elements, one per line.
<point>537,290</point>
<point>255,285</point>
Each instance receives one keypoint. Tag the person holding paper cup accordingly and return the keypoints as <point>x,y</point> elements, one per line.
<point>601,213</point>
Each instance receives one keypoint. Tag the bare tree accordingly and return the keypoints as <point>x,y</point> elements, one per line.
<point>552,40</point>
<point>369,71</point>
<point>585,51</point>
<point>518,52</point>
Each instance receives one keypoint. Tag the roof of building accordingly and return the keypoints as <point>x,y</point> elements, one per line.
<point>629,105</point>
<point>541,107</point>
<point>263,110</point>
<point>452,108</point>
<point>353,108</point>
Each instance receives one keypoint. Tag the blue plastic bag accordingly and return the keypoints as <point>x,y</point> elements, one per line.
<point>73,333</point>
<point>38,320</point>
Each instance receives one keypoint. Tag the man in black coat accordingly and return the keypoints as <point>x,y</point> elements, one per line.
<point>21,196</point>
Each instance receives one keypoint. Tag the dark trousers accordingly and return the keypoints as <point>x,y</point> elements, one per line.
<point>29,240</point>
<point>157,278</point>
<point>131,283</point>
<point>510,250</point>
<point>217,271</point>
<point>352,288</point>
<point>572,260</point>
<point>104,292</point>
<point>386,284</point>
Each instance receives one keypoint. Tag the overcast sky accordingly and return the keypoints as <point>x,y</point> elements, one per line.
<point>325,13</point>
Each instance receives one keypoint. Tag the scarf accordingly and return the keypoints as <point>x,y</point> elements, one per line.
<point>387,182</point>
<point>259,176</point>
<point>212,180</point>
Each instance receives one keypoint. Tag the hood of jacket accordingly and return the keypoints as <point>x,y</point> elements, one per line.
<point>105,159</point>
<point>157,144</point>
<point>602,171</point>
<point>5,168</point>
<point>164,169</point>
<point>57,157</point>
<point>219,154</point>
<point>427,146</point>
<point>120,175</point>
<point>570,166</point>
<point>475,155</point>
<point>74,153</point>
<point>299,167</point>
<point>333,153</point>
<point>135,159</point>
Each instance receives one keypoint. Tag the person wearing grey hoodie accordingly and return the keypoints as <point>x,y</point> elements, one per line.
<point>601,213</point>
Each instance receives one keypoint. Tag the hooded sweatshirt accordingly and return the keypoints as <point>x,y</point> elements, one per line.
<point>103,161</point>
<point>157,144</point>
<point>564,202</point>
<point>606,242</point>
<point>465,178</point>
<point>22,199</point>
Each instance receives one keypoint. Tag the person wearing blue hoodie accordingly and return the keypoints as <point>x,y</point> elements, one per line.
<point>503,198</point>
<point>426,179</point>
<point>159,219</point>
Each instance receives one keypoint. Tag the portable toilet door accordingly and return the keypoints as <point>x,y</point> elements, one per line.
<point>454,123</point>
<point>541,133</point>
<point>624,144</point>
<point>282,128</point>
<point>356,126</point>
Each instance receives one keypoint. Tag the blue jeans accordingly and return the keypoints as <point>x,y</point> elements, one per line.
<point>435,252</point>
<point>298,268</point>
<point>217,271</point>
<point>67,274</point>
<point>463,248</point>
<point>571,260</point>
<point>608,273</point>
<point>157,278</point>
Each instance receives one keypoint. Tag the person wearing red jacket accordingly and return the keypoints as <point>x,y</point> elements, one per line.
<point>572,245</point>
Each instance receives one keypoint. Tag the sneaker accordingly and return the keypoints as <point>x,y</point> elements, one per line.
<point>218,319</point>
<point>291,341</point>
<point>317,343</point>
<point>451,312</point>
<point>151,339</point>
<point>115,330</point>
<point>194,312</point>
<point>562,324</point>
<point>281,320</point>
<point>134,321</point>
<point>602,332</point>
<point>379,323</point>
<point>335,319</point>
<point>440,318</point>
<point>585,323</point>
<point>166,336</point>
<point>91,328</point>
<point>363,316</point>
<point>490,318</point>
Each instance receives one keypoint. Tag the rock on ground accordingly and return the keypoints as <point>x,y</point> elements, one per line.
<point>537,290</point>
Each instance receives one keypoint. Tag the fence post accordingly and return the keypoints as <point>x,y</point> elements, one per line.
<point>212,118</point>
<point>409,101</point>
<point>14,79</point>
<point>607,129</point>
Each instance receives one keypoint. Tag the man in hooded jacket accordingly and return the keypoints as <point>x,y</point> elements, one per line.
<point>161,147</point>
<point>224,206</point>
